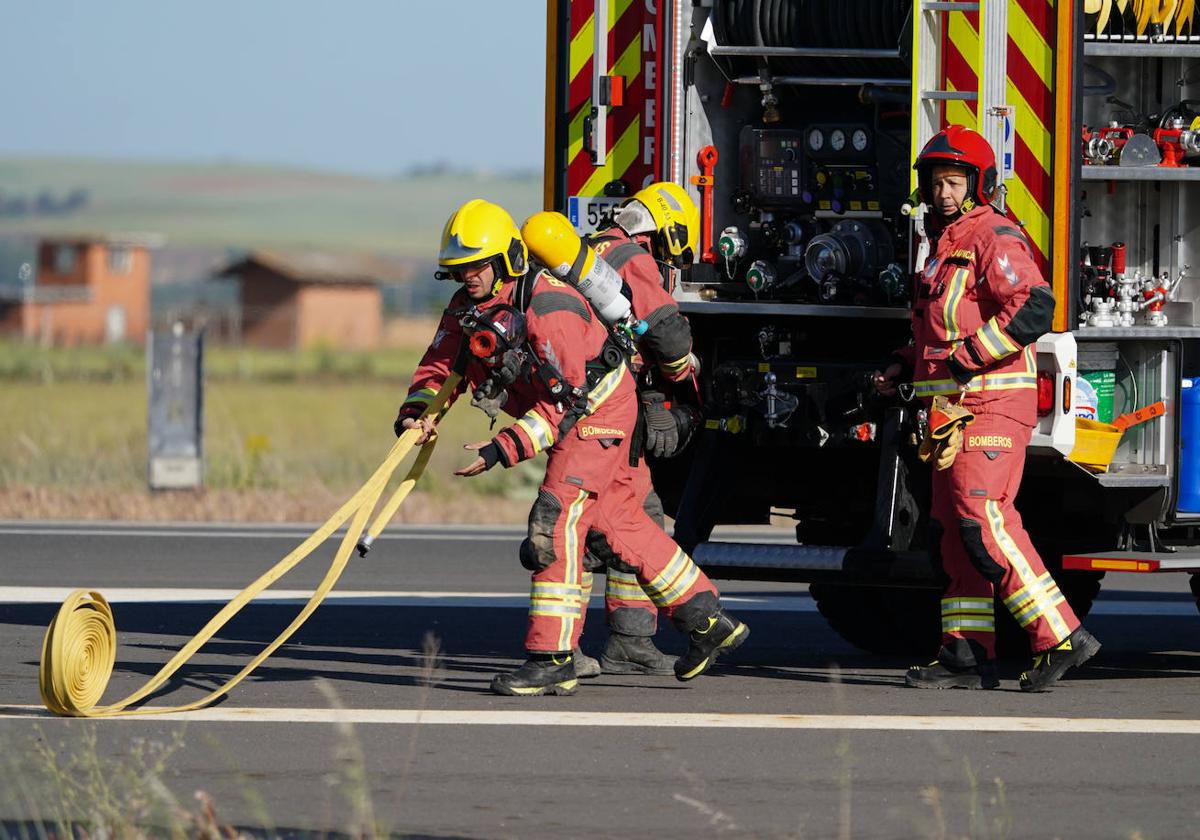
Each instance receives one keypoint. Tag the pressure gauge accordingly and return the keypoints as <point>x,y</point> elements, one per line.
<point>837,140</point>
<point>859,140</point>
<point>816,140</point>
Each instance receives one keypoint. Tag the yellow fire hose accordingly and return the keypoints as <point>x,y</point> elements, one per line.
<point>79,650</point>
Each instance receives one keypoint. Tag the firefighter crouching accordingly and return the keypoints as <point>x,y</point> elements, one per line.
<point>530,344</point>
<point>980,306</point>
<point>658,224</point>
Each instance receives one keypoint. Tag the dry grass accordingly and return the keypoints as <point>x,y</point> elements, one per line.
<point>274,452</point>
<point>405,340</point>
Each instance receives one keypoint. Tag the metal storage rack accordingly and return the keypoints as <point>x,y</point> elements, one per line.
<point>1155,211</point>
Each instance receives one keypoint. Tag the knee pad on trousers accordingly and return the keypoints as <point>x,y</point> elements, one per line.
<point>537,551</point>
<point>528,556</point>
<point>633,622</point>
<point>599,546</point>
<point>592,563</point>
<point>971,533</point>
<point>692,613</point>
<point>599,553</point>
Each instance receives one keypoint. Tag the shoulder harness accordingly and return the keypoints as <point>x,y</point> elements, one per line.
<point>573,399</point>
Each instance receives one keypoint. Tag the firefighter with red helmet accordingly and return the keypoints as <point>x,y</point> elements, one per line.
<point>980,306</point>
<point>546,364</point>
<point>659,223</point>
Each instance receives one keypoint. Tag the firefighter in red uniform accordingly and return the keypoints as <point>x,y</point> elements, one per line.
<point>981,304</point>
<point>543,361</point>
<point>658,224</point>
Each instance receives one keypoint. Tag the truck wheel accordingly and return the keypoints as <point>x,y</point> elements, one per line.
<point>906,622</point>
<point>1194,579</point>
<point>882,620</point>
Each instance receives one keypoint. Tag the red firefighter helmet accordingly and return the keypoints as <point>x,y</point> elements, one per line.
<point>957,145</point>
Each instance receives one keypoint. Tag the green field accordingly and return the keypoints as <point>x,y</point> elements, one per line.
<point>20,362</point>
<point>286,437</point>
<point>241,206</point>
<point>257,435</point>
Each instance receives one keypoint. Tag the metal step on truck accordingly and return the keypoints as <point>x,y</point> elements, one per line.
<point>794,124</point>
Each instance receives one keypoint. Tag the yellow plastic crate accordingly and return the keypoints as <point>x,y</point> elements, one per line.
<point>1095,444</point>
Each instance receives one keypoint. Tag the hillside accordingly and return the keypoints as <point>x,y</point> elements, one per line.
<point>228,205</point>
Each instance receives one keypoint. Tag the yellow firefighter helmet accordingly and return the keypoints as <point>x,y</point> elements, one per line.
<point>666,212</point>
<point>481,232</point>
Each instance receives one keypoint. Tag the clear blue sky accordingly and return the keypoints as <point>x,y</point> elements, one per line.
<point>365,86</point>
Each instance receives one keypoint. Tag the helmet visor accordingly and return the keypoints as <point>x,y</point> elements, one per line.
<point>456,252</point>
<point>458,272</point>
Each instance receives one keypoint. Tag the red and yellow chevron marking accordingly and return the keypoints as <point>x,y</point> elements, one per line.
<point>1030,88</point>
<point>632,127</point>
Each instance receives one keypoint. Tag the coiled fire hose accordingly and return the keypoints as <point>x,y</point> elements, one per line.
<point>80,647</point>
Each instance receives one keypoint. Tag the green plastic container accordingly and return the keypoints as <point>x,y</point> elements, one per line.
<point>1105,383</point>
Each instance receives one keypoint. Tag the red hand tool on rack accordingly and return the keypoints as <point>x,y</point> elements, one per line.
<point>707,159</point>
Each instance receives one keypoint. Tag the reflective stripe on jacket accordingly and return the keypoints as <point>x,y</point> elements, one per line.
<point>980,305</point>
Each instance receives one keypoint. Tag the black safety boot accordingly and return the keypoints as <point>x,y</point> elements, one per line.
<point>548,673</point>
<point>720,633</point>
<point>586,666</point>
<point>625,654</point>
<point>1050,665</point>
<point>940,674</point>
<point>960,663</point>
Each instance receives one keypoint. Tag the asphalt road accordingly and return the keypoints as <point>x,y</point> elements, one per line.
<point>379,706</point>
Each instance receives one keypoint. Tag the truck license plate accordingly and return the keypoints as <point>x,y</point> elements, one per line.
<point>588,213</point>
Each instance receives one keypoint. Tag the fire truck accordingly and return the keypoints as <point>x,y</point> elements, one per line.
<point>794,124</point>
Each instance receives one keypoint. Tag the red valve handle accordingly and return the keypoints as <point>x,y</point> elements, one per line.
<point>707,160</point>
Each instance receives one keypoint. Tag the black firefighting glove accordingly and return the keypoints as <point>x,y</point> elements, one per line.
<point>687,418</point>
<point>490,455</point>
<point>487,404</point>
<point>492,393</point>
<point>662,432</point>
<point>407,412</point>
<point>662,429</point>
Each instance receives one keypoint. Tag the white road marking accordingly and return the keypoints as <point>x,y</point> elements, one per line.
<point>447,535</point>
<point>147,595</point>
<point>450,532</point>
<point>678,720</point>
<point>140,595</point>
<point>399,598</point>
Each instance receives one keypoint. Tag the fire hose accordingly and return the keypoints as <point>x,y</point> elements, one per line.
<point>79,651</point>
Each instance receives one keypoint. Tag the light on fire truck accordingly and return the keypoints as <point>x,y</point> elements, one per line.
<point>1045,393</point>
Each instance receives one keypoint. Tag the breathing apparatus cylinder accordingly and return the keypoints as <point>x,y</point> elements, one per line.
<point>552,239</point>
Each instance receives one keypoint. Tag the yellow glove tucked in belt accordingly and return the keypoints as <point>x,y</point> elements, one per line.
<point>943,437</point>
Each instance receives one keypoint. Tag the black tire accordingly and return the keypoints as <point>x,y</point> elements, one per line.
<point>883,620</point>
<point>906,622</point>
<point>1195,582</point>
